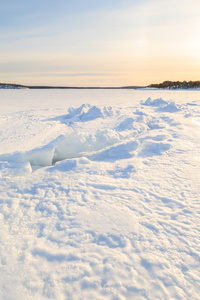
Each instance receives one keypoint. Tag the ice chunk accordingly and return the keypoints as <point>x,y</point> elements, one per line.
<point>157,102</point>
<point>171,108</point>
<point>76,144</point>
<point>77,111</point>
<point>93,113</point>
<point>40,156</point>
<point>12,169</point>
<point>86,112</point>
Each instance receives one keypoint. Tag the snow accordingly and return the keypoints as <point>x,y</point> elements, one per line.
<point>99,194</point>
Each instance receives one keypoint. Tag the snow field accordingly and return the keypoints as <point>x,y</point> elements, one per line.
<point>105,205</point>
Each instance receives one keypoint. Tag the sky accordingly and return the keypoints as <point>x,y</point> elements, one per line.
<point>99,42</point>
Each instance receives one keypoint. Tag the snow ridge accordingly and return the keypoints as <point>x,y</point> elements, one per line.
<point>119,142</point>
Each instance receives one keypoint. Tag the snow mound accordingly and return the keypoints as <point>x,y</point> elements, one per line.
<point>65,165</point>
<point>170,107</point>
<point>117,152</point>
<point>150,148</point>
<point>156,124</point>
<point>162,105</point>
<point>127,124</point>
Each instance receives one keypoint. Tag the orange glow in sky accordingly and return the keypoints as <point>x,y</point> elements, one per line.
<point>100,43</point>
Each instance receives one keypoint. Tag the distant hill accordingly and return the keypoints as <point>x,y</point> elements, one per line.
<point>176,85</point>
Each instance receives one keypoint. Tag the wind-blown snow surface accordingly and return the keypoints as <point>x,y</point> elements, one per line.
<point>100,200</point>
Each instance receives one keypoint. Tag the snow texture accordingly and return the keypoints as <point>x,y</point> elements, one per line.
<point>97,201</point>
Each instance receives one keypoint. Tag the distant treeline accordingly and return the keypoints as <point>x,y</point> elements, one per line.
<point>177,85</point>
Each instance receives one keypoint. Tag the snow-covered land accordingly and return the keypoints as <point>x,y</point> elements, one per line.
<point>9,86</point>
<point>99,194</point>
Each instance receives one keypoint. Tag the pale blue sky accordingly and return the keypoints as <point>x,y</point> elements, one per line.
<point>99,42</point>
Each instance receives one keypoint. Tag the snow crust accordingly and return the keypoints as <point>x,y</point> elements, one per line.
<point>98,201</point>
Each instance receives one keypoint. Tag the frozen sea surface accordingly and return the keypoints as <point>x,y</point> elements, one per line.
<point>99,194</point>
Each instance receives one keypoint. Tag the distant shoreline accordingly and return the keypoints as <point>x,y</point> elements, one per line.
<point>19,86</point>
<point>171,85</point>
